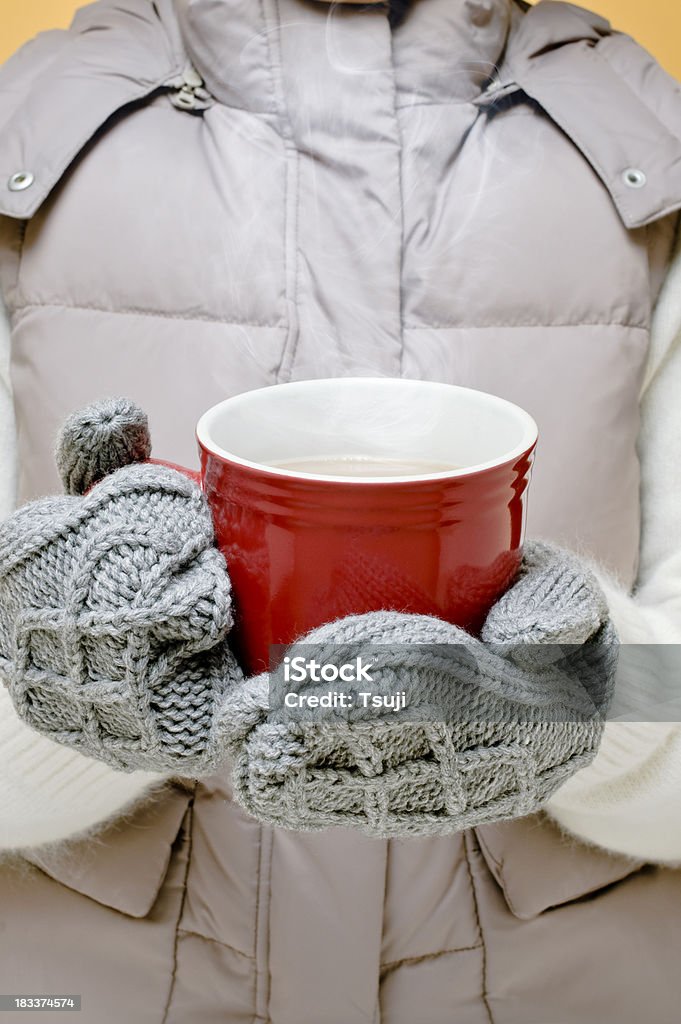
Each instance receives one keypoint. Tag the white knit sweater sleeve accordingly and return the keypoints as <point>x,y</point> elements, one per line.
<point>47,792</point>
<point>629,799</point>
<point>7,446</point>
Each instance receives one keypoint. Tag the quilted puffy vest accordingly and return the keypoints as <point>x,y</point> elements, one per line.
<point>205,196</point>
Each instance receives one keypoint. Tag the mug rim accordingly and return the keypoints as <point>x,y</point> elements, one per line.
<point>524,447</point>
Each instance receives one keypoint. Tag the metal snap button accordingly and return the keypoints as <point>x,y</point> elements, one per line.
<point>20,180</point>
<point>634,178</point>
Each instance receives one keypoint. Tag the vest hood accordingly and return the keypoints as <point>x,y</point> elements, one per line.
<point>623,116</point>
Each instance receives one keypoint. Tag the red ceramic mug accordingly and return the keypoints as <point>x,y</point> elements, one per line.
<point>434,524</point>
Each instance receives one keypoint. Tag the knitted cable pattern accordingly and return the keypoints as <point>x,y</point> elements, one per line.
<point>526,710</point>
<point>114,612</point>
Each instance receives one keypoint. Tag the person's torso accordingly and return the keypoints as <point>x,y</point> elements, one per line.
<point>473,194</point>
<point>349,199</point>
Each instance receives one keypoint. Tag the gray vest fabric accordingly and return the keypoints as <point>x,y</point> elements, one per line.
<point>476,193</point>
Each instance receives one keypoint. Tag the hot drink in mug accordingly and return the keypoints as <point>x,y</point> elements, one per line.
<point>333,497</point>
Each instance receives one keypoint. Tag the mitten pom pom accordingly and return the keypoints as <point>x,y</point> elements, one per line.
<point>97,440</point>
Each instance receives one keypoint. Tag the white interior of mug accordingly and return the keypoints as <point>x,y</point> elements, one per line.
<point>381,418</point>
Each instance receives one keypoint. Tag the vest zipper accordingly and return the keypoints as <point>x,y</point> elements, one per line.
<point>495,91</point>
<point>190,92</point>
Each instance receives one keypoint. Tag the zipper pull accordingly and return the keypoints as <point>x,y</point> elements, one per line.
<point>190,93</point>
<point>496,90</point>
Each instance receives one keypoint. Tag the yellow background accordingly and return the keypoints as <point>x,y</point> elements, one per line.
<point>656,24</point>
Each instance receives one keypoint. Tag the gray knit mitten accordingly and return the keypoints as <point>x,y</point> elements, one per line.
<point>115,605</point>
<point>492,726</point>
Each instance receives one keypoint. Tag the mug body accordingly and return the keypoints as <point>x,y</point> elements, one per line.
<point>441,535</point>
